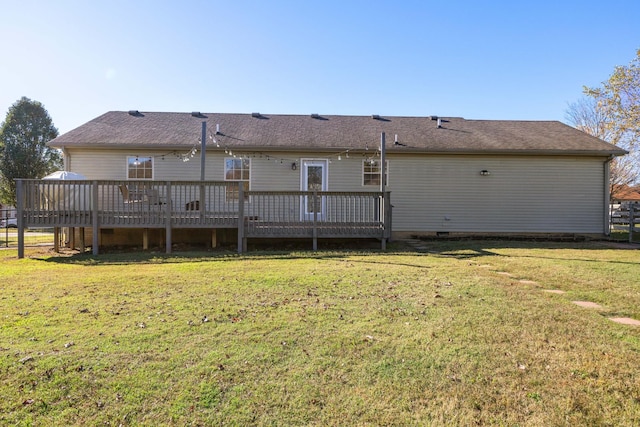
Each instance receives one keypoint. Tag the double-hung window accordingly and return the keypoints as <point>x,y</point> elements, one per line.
<point>237,170</point>
<point>139,167</point>
<point>371,172</point>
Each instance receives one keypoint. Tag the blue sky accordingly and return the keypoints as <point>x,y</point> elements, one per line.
<point>472,59</point>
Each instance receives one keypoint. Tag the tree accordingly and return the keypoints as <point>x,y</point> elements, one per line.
<point>612,113</point>
<point>23,146</point>
<point>587,116</point>
<point>619,100</point>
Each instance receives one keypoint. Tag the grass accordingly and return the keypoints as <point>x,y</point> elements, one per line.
<point>624,235</point>
<point>328,338</point>
<point>9,237</point>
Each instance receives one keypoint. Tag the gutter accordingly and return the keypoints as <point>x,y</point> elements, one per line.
<point>332,149</point>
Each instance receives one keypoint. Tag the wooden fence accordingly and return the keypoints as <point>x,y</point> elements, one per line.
<point>626,217</point>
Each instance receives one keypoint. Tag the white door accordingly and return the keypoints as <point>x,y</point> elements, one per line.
<point>314,178</point>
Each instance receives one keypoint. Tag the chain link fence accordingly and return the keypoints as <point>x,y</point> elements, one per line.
<point>32,236</point>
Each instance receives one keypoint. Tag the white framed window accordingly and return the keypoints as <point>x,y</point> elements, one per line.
<point>371,172</point>
<point>139,167</point>
<point>237,170</point>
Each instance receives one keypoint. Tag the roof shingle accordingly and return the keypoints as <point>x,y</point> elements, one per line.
<point>331,132</point>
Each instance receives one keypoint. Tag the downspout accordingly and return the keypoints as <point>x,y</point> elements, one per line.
<point>66,159</point>
<point>607,196</point>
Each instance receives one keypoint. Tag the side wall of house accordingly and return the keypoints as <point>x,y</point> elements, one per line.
<point>521,194</point>
<point>430,193</point>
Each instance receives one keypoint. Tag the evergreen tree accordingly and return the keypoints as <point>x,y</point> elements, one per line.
<point>23,146</point>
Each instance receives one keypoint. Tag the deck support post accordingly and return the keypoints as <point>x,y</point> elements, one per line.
<point>168,219</point>
<point>95,226</point>
<point>214,239</point>
<point>81,231</point>
<point>72,237</point>
<point>56,239</point>
<point>145,239</point>
<point>20,207</point>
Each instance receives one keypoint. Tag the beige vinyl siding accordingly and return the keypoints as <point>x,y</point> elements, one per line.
<point>112,164</point>
<point>430,193</point>
<point>272,173</point>
<point>534,194</point>
<point>98,164</point>
<point>275,173</point>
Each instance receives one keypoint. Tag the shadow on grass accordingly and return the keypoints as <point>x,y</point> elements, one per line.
<point>477,248</point>
<point>461,249</point>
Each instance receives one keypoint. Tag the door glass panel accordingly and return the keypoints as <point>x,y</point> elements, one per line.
<point>314,179</point>
<point>314,183</point>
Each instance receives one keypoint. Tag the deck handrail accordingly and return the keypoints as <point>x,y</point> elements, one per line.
<point>202,204</point>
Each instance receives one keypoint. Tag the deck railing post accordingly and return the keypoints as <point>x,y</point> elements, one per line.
<point>95,225</point>
<point>20,208</point>
<point>168,218</point>
<point>386,219</point>
<point>202,204</point>
<point>241,234</point>
<point>315,221</point>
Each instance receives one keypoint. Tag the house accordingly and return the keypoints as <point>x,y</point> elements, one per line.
<point>7,212</point>
<point>625,193</point>
<point>443,174</point>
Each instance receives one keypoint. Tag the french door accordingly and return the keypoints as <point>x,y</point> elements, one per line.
<point>313,178</point>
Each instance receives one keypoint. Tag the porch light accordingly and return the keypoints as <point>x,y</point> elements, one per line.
<point>294,166</point>
<point>485,172</point>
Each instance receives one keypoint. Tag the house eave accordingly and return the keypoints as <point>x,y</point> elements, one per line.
<point>390,150</point>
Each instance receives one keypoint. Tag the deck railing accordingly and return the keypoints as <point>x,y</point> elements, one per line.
<point>202,204</point>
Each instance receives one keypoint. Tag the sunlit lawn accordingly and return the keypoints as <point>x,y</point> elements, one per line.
<point>9,237</point>
<point>439,337</point>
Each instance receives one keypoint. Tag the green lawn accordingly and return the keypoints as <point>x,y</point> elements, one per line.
<point>439,337</point>
<point>9,237</point>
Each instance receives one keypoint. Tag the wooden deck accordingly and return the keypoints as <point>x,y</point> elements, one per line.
<point>172,205</point>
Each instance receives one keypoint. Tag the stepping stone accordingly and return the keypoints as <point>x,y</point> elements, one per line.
<point>484,266</point>
<point>587,304</point>
<point>625,321</point>
<point>554,291</point>
<point>528,282</point>
<point>504,273</point>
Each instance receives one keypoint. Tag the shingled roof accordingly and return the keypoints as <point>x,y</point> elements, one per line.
<point>330,132</point>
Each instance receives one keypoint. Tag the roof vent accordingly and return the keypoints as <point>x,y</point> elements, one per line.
<point>256,115</point>
<point>433,117</point>
<point>396,142</point>
<point>134,113</point>
<point>375,117</point>
<point>196,114</point>
<point>439,123</point>
<point>315,116</point>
